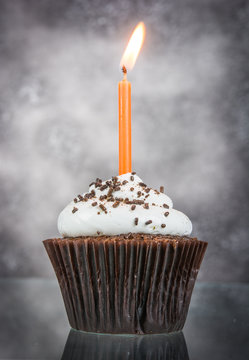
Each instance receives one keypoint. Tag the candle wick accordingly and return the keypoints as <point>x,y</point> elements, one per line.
<point>124,69</point>
<point>124,72</point>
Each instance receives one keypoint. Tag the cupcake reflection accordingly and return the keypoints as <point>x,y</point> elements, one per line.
<point>81,346</point>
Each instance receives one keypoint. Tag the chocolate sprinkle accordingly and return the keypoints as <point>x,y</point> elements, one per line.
<point>136,221</point>
<point>148,222</point>
<point>88,196</point>
<point>133,173</point>
<point>142,184</point>
<point>165,206</point>
<point>124,182</point>
<point>163,226</point>
<point>75,200</point>
<point>102,197</point>
<point>110,192</point>
<point>102,207</point>
<point>133,207</point>
<point>146,206</point>
<point>80,197</point>
<point>138,202</point>
<point>103,187</point>
<point>132,189</point>
<point>117,188</point>
<point>132,178</point>
<point>74,210</point>
<point>94,203</point>
<point>98,182</point>
<point>161,189</point>
<point>147,190</point>
<point>116,204</point>
<point>166,214</point>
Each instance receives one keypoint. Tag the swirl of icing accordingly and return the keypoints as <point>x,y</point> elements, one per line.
<point>121,205</point>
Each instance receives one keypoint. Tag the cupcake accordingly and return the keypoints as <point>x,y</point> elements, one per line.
<point>125,263</point>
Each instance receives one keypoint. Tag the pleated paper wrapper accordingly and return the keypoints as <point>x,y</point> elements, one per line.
<point>141,285</point>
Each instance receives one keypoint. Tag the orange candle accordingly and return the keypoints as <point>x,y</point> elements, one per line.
<point>124,98</point>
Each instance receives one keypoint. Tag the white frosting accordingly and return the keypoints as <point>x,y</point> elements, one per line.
<point>81,218</point>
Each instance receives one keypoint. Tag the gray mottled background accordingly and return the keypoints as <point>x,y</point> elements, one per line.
<point>59,69</point>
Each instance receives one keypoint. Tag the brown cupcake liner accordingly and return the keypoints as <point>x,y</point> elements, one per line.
<point>81,345</point>
<point>113,284</point>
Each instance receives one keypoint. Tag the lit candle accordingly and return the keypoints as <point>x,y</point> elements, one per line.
<point>124,96</point>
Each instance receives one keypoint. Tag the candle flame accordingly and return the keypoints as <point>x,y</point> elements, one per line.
<point>133,48</point>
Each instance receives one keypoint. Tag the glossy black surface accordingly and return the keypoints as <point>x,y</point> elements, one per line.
<point>33,325</point>
<point>150,347</point>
